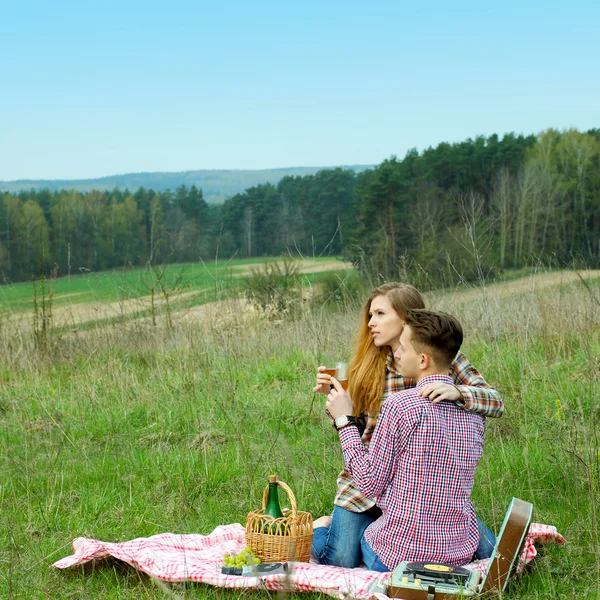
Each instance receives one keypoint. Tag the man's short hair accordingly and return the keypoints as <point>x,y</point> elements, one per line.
<point>439,332</point>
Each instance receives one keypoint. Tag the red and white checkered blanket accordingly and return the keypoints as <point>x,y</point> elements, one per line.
<point>193,557</point>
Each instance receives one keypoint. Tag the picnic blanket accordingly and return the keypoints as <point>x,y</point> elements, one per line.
<point>193,557</point>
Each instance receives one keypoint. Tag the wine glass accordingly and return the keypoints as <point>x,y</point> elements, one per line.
<point>328,360</point>
<point>341,374</point>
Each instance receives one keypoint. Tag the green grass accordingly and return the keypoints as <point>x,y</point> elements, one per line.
<point>210,279</point>
<point>120,436</point>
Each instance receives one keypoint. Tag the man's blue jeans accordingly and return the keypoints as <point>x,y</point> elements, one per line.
<point>487,541</point>
<point>340,544</point>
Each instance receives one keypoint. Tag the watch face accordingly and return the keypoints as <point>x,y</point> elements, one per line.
<point>341,421</point>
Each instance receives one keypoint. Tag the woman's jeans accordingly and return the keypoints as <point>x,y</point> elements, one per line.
<point>371,559</point>
<point>340,543</point>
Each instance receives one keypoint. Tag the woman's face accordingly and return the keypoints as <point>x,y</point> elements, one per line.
<point>385,323</point>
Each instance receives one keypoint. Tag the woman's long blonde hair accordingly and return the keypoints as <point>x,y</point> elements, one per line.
<point>367,367</point>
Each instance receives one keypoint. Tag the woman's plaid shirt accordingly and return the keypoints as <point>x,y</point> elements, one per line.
<point>420,467</point>
<point>478,397</point>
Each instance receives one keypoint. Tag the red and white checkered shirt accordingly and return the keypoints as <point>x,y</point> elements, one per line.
<point>420,468</point>
<point>478,397</point>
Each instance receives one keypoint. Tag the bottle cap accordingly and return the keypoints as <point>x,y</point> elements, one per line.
<point>273,479</point>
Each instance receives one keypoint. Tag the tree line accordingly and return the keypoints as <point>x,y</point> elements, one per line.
<point>482,203</point>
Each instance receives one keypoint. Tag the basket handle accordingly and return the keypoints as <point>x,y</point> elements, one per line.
<point>288,491</point>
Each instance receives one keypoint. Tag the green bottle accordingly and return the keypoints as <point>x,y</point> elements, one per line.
<point>272,509</point>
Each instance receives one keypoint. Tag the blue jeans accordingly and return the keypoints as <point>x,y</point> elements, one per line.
<point>371,559</point>
<point>487,541</point>
<point>340,543</point>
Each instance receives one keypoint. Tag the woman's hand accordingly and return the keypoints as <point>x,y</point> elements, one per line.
<point>338,401</point>
<point>438,391</point>
<point>323,382</point>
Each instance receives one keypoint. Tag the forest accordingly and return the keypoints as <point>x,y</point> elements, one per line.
<point>457,210</point>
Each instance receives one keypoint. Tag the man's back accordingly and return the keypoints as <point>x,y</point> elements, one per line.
<point>432,451</point>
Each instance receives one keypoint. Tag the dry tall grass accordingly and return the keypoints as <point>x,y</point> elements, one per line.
<point>544,306</point>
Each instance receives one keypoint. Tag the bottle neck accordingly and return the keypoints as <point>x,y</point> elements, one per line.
<point>273,500</point>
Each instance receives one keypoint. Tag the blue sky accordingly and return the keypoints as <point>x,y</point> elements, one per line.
<point>99,88</point>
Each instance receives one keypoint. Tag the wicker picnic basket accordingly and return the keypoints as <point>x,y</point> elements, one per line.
<point>293,532</point>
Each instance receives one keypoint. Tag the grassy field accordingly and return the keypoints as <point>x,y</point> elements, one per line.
<point>97,300</point>
<point>128,430</point>
<point>210,278</point>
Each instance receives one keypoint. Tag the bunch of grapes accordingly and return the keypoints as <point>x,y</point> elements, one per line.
<point>241,559</point>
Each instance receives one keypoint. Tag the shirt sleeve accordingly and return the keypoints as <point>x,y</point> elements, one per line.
<point>478,396</point>
<point>372,469</point>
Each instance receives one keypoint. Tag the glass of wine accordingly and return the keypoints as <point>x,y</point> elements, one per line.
<point>328,360</point>
<point>341,374</point>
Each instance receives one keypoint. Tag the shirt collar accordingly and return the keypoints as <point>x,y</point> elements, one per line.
<point>433,379</point>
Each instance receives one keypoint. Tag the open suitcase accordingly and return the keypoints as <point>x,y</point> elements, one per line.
<point>430,581</point>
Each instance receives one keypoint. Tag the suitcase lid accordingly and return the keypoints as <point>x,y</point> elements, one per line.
<point>509,545</point>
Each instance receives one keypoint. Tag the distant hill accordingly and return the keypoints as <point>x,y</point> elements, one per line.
<point>216,185</point>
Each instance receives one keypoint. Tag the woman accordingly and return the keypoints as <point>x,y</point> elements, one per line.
<point>373,376</point>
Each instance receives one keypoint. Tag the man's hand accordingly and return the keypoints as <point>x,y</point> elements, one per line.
<point>438,391</point>
<point>338,402</point>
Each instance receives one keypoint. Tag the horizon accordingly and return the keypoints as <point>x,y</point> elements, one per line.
<point>121,88</point>
<point>324,167</point>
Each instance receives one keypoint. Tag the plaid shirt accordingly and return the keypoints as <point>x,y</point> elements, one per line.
<point>420,468</point>
<point>478,397</point>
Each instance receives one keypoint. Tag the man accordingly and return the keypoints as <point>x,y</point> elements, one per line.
<point>421,463</point>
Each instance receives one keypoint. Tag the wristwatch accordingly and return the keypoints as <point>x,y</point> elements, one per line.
<point>344,420</point>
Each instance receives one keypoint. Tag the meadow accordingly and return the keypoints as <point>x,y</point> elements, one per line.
<point>207,279</point>
<point>133,426</point>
